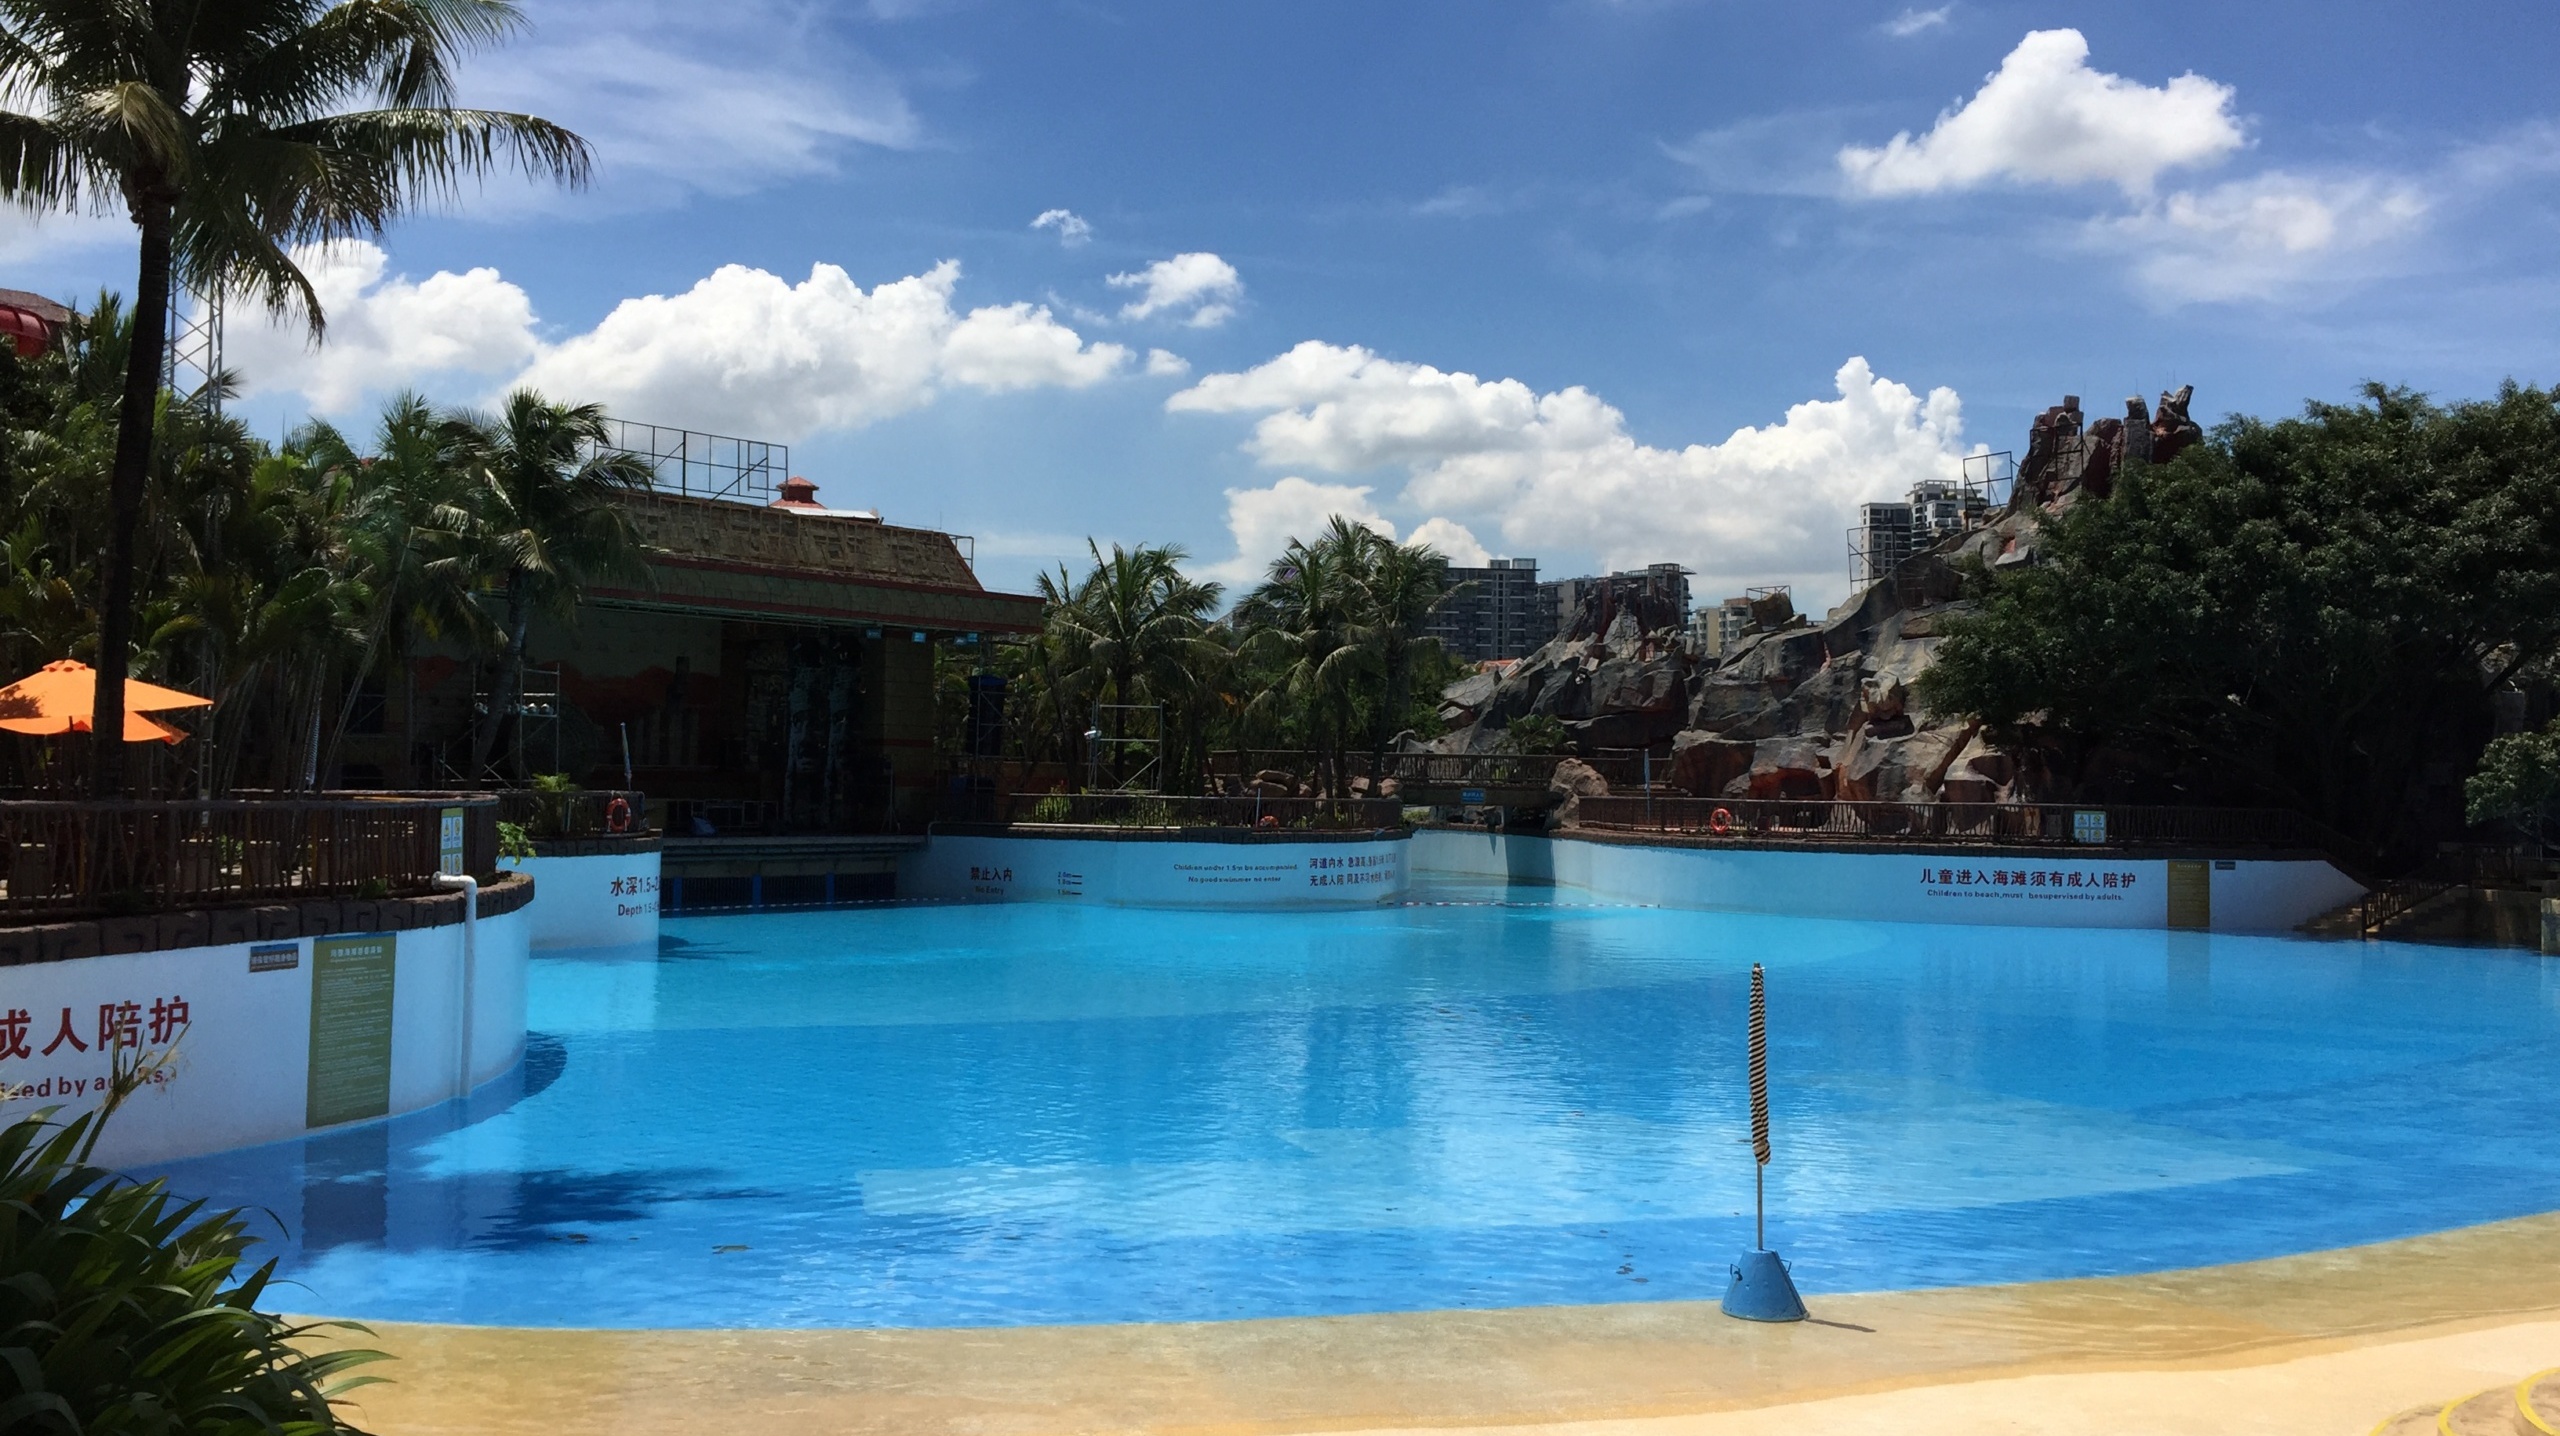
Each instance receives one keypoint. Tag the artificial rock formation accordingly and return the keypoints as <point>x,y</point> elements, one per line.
<point>1798,709</point>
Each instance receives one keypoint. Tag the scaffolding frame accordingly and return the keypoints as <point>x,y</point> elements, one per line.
<point>1149,777</point>
<point>1984,483</point>
<point>700,465</point>
<point>195,348</point>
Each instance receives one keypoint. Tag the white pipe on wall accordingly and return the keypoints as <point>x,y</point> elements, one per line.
<point>470,887</point>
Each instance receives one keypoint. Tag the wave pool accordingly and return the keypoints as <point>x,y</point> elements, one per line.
<point>995,1115</point>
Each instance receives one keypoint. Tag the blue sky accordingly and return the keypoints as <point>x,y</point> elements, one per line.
<point>1507,277</point>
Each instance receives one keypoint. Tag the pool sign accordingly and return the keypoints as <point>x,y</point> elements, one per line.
<point>449,842</point>
<point>352,981</point>
<point>1472,797</point>
<point>2089,825</point>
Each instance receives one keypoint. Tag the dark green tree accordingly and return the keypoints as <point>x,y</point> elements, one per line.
<point>2311,613</point>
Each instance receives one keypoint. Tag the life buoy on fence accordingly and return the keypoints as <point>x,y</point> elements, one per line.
<point>617,816</point>
<point>1720,822</point>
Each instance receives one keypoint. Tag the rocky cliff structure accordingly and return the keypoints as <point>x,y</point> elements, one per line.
<point>1806,709</point>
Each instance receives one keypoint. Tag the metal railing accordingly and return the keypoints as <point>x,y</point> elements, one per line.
<point>1756,820</point>
<point>724,817</point>
<point>2455,865</point>
<point>1149,810</point>
<point>1472,770</point>
<point>586,813</point>
<point>81,859</point>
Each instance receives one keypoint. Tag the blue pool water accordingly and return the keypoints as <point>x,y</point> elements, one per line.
<point>1009,1114</point>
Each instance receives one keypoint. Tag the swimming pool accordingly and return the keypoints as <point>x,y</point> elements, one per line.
<point>930,1116</point>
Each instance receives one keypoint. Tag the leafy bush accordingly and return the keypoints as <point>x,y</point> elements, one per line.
<point>2518,779</point>
<point>1534,733</point>
<point>122,1310</point>
<point>552,807</point>
<point>1054,808</point>
<point>513,841</point>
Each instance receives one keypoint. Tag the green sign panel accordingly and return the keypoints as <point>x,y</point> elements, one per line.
<point>351,980</point>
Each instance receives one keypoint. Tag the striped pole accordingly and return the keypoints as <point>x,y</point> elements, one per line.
<point>1761,1290</point>
<point>1760,1105</point>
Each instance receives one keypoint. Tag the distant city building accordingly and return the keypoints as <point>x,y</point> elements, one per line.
<point>1659,587</point>
<point>1492,612</point>
<point>1881,541</point>
<point>1887,534</point>
<point>1942,507</point>
<point>1718,627</point>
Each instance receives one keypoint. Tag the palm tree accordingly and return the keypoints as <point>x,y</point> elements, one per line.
<point>224,129</point>
<point>541,494</point>
<point>1304,615</point>
<point>1400,584</point>
<point>1136,630</point>
<point>407,527</point>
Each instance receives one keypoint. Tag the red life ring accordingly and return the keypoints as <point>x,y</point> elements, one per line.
<point>617,816</point>
<point>1720,822</point>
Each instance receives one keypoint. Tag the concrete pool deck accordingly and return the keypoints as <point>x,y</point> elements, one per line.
<point>2326,1342</point>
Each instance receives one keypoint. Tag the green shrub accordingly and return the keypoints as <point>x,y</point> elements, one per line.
<point>2518,780</point>
<point>1534,733</point>
<point>552,806</point>
<point>124,1311</point>
<point>1052,809</point>
<point>513,842</point>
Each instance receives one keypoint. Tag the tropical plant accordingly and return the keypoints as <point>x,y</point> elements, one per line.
<point>1400,586</point>
<point>126,1310</point>
<point>1300,622</point>
<point>1134,632</point>
<point>540,493</point>
<point>552,795</point>
<point>230,131</point>
<point>1338,629</point>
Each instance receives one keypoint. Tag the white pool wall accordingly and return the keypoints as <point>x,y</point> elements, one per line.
<point>607,900</point>
<point>241,1071</point>
<point>1261,873</point>
<point>2248,894</point>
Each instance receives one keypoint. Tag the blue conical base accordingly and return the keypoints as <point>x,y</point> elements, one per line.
<point>1762,1290</point>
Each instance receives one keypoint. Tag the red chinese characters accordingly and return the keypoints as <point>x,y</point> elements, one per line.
<point>118,1024</point>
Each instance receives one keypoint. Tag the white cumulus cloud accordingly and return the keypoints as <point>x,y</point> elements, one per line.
<point>1201,283</point>
<point>1165,364</point>
<point>2046,117</point>
<point>1454,540</point>
<point>1264,520</point>
<point>742,351</point>
<point>746,351</point>
<point>1072,230</point>
<point>2253,238</point>
<point>385,331</point>
<point>1559,469</point>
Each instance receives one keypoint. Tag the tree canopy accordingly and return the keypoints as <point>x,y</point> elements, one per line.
<point>2310,613</point>
<point>1328,652</point>
<point>230,131</point>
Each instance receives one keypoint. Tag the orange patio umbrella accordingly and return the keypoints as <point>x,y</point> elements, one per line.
<point>60,697</point>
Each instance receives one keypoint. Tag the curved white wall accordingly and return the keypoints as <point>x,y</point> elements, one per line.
<point>1316,873</point>
<point>608,900</point>
<point>2061,889</point>
<point>242,1069</point>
